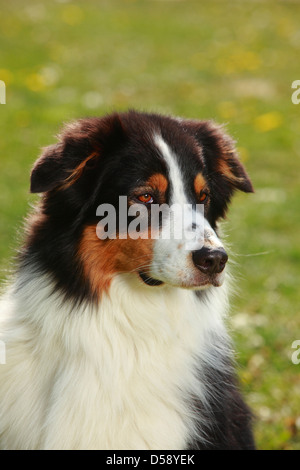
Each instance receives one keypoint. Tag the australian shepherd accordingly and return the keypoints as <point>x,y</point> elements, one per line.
<point>120,342</point>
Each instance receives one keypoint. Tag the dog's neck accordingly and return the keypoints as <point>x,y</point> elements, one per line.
<point>136,359</point>
<point>129,304</point>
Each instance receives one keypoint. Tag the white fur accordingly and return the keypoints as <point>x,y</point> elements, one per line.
<point>118,376</point>
<point>175,174</point>
<point>172,257</point>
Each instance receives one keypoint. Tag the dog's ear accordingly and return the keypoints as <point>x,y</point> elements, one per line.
<point>78,150</point>
<point>219,154</point>
<point>48,171</point>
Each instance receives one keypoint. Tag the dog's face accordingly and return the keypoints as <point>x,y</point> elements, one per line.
<point>152,161</point>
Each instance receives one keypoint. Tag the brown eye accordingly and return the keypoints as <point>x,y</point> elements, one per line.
<point>145,198</point>
<point>203,196</point>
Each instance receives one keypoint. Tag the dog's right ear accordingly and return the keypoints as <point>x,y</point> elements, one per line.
<point>79,148</point>
<point>47,172</point>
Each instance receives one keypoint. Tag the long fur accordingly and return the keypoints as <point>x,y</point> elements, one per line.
<point>129,367</point>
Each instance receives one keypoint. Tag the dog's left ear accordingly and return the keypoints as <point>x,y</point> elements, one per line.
<point>219,154</point>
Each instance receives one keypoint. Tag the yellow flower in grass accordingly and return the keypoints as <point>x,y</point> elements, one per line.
<point>238,60</point>
<point>268,121</point>
<point>246,378</point>
<point>35,82</point>
<point>6,76</point>
<point>72,15</point>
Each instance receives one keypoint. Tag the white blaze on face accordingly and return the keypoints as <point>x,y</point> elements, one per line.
<point>172,260</point>
<point>182,217</point>
<point>175,177</point>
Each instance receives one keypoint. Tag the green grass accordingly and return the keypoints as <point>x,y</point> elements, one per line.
<point>232,61</point>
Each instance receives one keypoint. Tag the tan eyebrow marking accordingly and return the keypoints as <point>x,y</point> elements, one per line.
<point>199,183</point>
<point>159,182</point>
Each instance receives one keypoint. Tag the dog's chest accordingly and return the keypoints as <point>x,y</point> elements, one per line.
<point>129,386</point>
<point>121,377</point>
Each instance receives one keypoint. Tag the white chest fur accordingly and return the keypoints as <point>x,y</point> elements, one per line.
<point>116,377</point>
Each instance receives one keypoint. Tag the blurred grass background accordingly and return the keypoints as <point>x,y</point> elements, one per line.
<point>232,61</point>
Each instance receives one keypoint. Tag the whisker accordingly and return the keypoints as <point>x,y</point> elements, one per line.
<point>262,253</point>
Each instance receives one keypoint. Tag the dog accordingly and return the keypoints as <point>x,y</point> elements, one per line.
<point>120,342</point>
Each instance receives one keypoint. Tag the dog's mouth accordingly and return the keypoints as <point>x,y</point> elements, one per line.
<point>208,281</point>
<point>150,281</point>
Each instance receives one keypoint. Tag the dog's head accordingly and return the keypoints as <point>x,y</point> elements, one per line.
<point>150,161</point>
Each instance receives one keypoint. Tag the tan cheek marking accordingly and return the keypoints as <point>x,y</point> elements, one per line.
<point>76,174</point>
<point>159,182</point>
<point>102,259</point>
<point>199,183</point>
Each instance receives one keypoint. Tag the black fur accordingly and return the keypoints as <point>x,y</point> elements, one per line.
<point>122,152</point>
<point>226,421</point>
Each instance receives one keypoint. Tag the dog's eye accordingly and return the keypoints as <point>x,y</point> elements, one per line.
<point>146,198</point>
<point>203,196</point>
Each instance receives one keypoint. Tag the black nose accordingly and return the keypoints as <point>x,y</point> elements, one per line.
<point>210,261</point>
